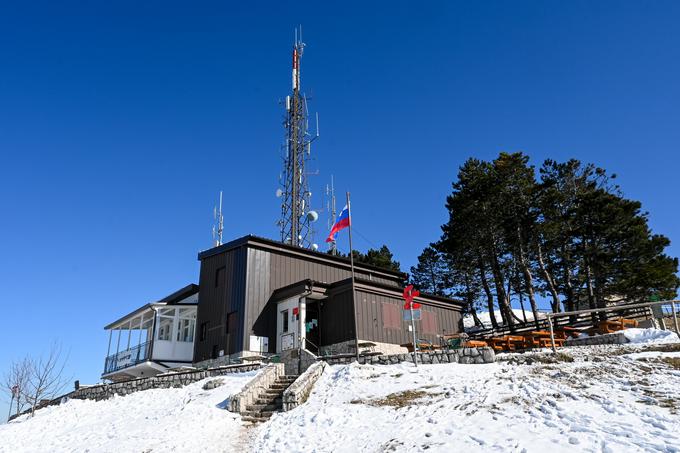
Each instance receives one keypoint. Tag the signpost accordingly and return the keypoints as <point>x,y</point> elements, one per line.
<point>412,314</point>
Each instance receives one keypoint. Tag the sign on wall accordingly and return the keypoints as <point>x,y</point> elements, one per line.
<point>287,341</point>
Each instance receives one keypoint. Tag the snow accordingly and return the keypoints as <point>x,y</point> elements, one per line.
<point>485,318</point>
<point>179,419</point>
<point>651,336</point>
<point>603,401</point>
<point>609,398</point>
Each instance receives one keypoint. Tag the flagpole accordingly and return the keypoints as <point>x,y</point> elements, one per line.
<point>351,261</point>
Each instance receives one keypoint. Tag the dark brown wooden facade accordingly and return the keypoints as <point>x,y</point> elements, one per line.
<point>241,281</point>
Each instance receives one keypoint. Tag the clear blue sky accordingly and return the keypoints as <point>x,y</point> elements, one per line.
<point>120,122</point>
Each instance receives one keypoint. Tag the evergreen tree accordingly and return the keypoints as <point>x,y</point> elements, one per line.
<point>431,275</point>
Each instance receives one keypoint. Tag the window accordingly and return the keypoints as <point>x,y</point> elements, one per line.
<point>429,322</point>
<point>204,331</point>
<point>166,321</point>
<point>285,321</point>
<point>391,316</point>
<point>186,324</point>
<point>185,332</point>
<point>219,277</point>
<point>231,326</point>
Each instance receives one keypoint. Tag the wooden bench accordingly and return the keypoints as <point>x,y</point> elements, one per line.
<point>475,344</point>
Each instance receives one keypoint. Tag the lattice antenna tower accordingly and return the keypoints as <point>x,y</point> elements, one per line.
<point>297,215</point>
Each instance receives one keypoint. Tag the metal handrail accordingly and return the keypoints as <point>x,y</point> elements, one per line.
<point>137,354</point>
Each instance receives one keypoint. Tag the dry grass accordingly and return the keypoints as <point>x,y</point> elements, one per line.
<point>397,400</point>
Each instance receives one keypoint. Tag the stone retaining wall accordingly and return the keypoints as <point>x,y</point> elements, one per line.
<point>610,338</point>
<point>299,391</point>
<point>463,355</point>
<point>247,396</point>
<point>160,381</point>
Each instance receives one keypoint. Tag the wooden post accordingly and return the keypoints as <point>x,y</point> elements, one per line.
<point>675,319</point>
<point>552,333</point>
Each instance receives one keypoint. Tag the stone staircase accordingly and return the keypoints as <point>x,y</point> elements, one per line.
<point>268,401</point>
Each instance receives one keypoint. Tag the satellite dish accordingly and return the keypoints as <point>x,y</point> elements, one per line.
<point>315,247</point>
<point>312,216</point>
<point>279,193</point>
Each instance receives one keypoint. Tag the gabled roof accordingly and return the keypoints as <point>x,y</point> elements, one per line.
<point>313,255</point>
<point>180,294</point>
<point>172,299</point>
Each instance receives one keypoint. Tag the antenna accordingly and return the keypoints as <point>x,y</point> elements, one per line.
<point>331,220</point>
<point>218,227</point>
<point>297,216</point>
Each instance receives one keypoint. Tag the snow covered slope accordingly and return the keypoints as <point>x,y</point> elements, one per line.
<point>183,419</point>
<point>600,402</point>
<point>593,399</point>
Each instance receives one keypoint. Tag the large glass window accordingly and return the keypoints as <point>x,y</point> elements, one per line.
<point>166,321</point>
<point>186,325</point>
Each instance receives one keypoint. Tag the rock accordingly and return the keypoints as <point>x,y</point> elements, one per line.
<point>489,355</point>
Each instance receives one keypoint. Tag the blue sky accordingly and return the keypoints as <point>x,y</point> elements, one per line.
<point>120,123</point>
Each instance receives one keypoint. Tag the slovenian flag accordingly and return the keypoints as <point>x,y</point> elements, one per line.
<point>340,224</point>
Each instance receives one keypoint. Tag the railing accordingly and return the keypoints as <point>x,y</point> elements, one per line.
<point>582,319</point>
<point>127,358</point>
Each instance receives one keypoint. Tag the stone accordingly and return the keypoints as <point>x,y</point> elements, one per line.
<point>435,359</point>
<point>489,355</point>
<point>465,360</point>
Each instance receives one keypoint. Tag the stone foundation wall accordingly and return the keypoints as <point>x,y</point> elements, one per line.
<point>610,338</point>
<point>347,347</point>
<point>160,381</point>
<point>247,396</point>
<point>464,356</point>
<point>299,390</point>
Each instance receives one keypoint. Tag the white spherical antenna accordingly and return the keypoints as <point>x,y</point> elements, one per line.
<point>315,247</point>
<point>312,216</point>
<point>279,193</point>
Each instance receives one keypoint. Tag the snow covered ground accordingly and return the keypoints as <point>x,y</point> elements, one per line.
<point>595,399</point>
<point>606,400</point>
<point>183,419</point>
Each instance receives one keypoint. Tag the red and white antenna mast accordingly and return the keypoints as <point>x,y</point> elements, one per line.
<point>297,215</point>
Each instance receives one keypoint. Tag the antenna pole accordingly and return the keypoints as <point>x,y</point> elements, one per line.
<point>218,227</point>
<point>354,293</point>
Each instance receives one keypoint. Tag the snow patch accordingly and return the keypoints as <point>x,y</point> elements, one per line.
<point>650,336</point>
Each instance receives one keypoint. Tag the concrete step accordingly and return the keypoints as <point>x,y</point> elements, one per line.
<point>264,407</point>
<point>277,386</point>
<point>257,414</point>
<point>265,401</point>
<point>247,418</point>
